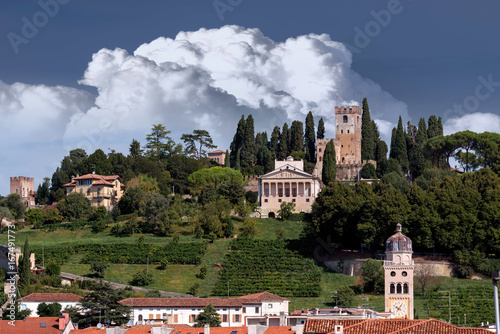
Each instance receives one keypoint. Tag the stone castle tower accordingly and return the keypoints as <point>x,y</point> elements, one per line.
<point>25,187</point>
<point>348,121</point>
<point>398,267</point>
<point>348,133</point>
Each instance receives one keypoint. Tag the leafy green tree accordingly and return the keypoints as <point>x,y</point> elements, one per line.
<point>97,162</point>
<point>283,144</point>
<point>310,138</point>
<point>53,269</point>
<point>368,140</point>
<point>321,129</point>
<point>19,315</point>
<point>433,129</point>
<point>329,172</point>
<point>219,181</point>
<point>208,316</point>
<point>373,276</point>
<point>196,143</point>
<point>159,145</point>
<point>15,205</point>
<point>74,206</point>
<point>135,149</point>
<point>345,296</point>
<point>49,310</point>
<point>297,136</point>
<point>102,305</point>
<point>5,213</point>
<point>142,278</point>
<point>397,181</point>
<point>203,272</point>
<point>368,171</point>
<point>286,210</point>
<point>98,267</point>
<point>249,228</point>
<point>248,150</point>
<point>43,191</point>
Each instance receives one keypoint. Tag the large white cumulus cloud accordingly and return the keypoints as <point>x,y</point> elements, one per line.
<point>203,79</point>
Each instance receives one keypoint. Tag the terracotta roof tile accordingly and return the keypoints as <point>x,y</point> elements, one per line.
<point>380,326</point>
<point>31,326</point>
<point>264,296</point>
<point>51,297</point>
<point>186,302</point>
<point>328,325</point>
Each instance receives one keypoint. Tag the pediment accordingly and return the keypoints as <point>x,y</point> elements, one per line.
<point>285,173</point>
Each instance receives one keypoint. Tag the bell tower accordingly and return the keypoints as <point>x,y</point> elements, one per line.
<point>398,267</point>
<point>348,133</point>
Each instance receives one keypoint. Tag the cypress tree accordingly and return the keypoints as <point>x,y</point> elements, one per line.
<point>421,131</point>
<point>440,126</point>
<point>248,151</point>
<point>237,141</point>
<point>321,129</point>
<point>227,162</point>
<point>400,152</point>
<point>329,172</point>
<point>238,160</point>
<point>273,143</point>
<point>297,137</point>
<point>433,127</point>
<point>393,140</point>
<point>25,265</point>
<point>368,140</point>
<point>310,138</point>
<point>381,156</point>
<point>283,145</point>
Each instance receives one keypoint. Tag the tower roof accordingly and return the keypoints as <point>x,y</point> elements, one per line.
<point>398,242</point>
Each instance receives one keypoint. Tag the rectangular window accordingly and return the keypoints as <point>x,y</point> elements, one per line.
<point>151,316</point>
<point>244,310</point>
<point>256,310</point>
<point>192,318</point>
<point>265,200</point>
<point>269,305</point>
<point>176,318</point>
<point>279,200</point>
<point>293,200</point>
<point>158,316</point>
<point>236,318</point>
<point>224,318</point>
<point>307,200</point>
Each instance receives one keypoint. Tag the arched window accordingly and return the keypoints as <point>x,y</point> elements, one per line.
<point>348,131</point>
<point>398,288</point>
<point>140,317</point>
<point>319,158</point>
<point>345,119</point>
<point>341,131</point>
<point>405,288</point>
<point>392,288</point>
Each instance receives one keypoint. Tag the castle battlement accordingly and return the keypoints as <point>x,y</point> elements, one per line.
<point>21,179</point>
<point>348,110</point>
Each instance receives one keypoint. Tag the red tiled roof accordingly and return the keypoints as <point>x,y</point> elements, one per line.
<point>51,297</point>
<point>102,183</point>
<point>184,302</point>
<point>388,326</point>
<point>31,325</point>
<point>216,152</point>
<point>143,329</point>
<point>264,296</point>
<point>71,184</point>
<point>279,330</point>
<point>328,325</point>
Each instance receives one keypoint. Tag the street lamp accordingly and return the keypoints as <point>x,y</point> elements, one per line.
<point>495,276</point>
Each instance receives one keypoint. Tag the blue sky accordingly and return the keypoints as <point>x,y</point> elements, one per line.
<point>426,55</point>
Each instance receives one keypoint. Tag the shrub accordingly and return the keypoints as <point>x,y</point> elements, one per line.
<point>194,289</point>
<point>163,264</point>
<point>203,272</point>
<point>142,278</point>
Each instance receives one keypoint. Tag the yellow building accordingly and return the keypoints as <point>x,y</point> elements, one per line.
<point>100,190</point>
<point>287,183</point>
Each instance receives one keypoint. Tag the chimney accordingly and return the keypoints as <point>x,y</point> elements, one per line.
<point>339,329</point>
<point>206,329</point>
<point>299,329</point>
<point>63,320</point>
<point>282,319</point>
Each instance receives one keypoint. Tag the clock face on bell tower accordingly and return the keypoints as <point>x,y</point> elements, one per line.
<point>398,267</point>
